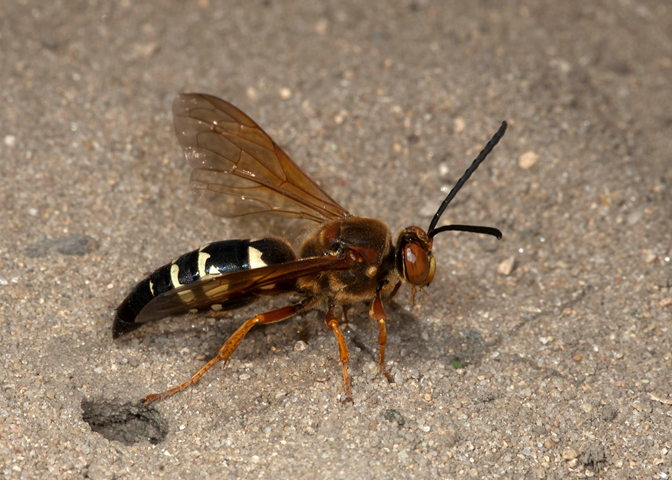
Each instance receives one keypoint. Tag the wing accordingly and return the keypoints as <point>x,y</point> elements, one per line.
<point>239,170</point>
<point>227,286</point>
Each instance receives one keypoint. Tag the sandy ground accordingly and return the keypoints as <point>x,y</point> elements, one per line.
<point>565,359</point>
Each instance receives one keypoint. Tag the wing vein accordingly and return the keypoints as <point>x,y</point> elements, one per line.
<point>239,170</point>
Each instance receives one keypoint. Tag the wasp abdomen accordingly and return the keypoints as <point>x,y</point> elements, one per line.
<point>213,259</point>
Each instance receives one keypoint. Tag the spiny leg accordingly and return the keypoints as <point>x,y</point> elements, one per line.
<point>332,322</point>
<point>230,346</point>
<point>377,314</point>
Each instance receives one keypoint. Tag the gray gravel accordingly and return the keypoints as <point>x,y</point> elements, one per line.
<point>561,330</point>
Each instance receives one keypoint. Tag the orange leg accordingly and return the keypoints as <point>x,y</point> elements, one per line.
<point>230,346</point>
<point>377,314</point>
<point>394,292</point>
<point>345,313</point>
<point>332,323</point>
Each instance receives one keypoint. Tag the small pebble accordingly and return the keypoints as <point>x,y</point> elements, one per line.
<point>634,217</point>
<point>322,26</point>
<point>569,454</point>
<point>506,267</point>
<point>49,42</point>
<point>392,415</point>
<point>252,93</point>
<point>528,159</point>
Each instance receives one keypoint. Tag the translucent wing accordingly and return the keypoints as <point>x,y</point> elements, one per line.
<point>227,286</point>
<point>239,170</point>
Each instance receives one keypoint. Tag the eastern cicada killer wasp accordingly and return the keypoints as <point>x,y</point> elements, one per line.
<point>238,170</point>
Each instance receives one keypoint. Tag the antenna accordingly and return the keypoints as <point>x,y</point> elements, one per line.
<point>460,183</point>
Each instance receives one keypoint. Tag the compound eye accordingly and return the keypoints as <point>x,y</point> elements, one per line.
<point>416,264</point>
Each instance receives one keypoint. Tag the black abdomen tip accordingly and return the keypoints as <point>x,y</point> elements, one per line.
<point>121,325</point>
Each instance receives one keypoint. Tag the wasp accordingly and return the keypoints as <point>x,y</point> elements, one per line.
<point>238,170</point>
